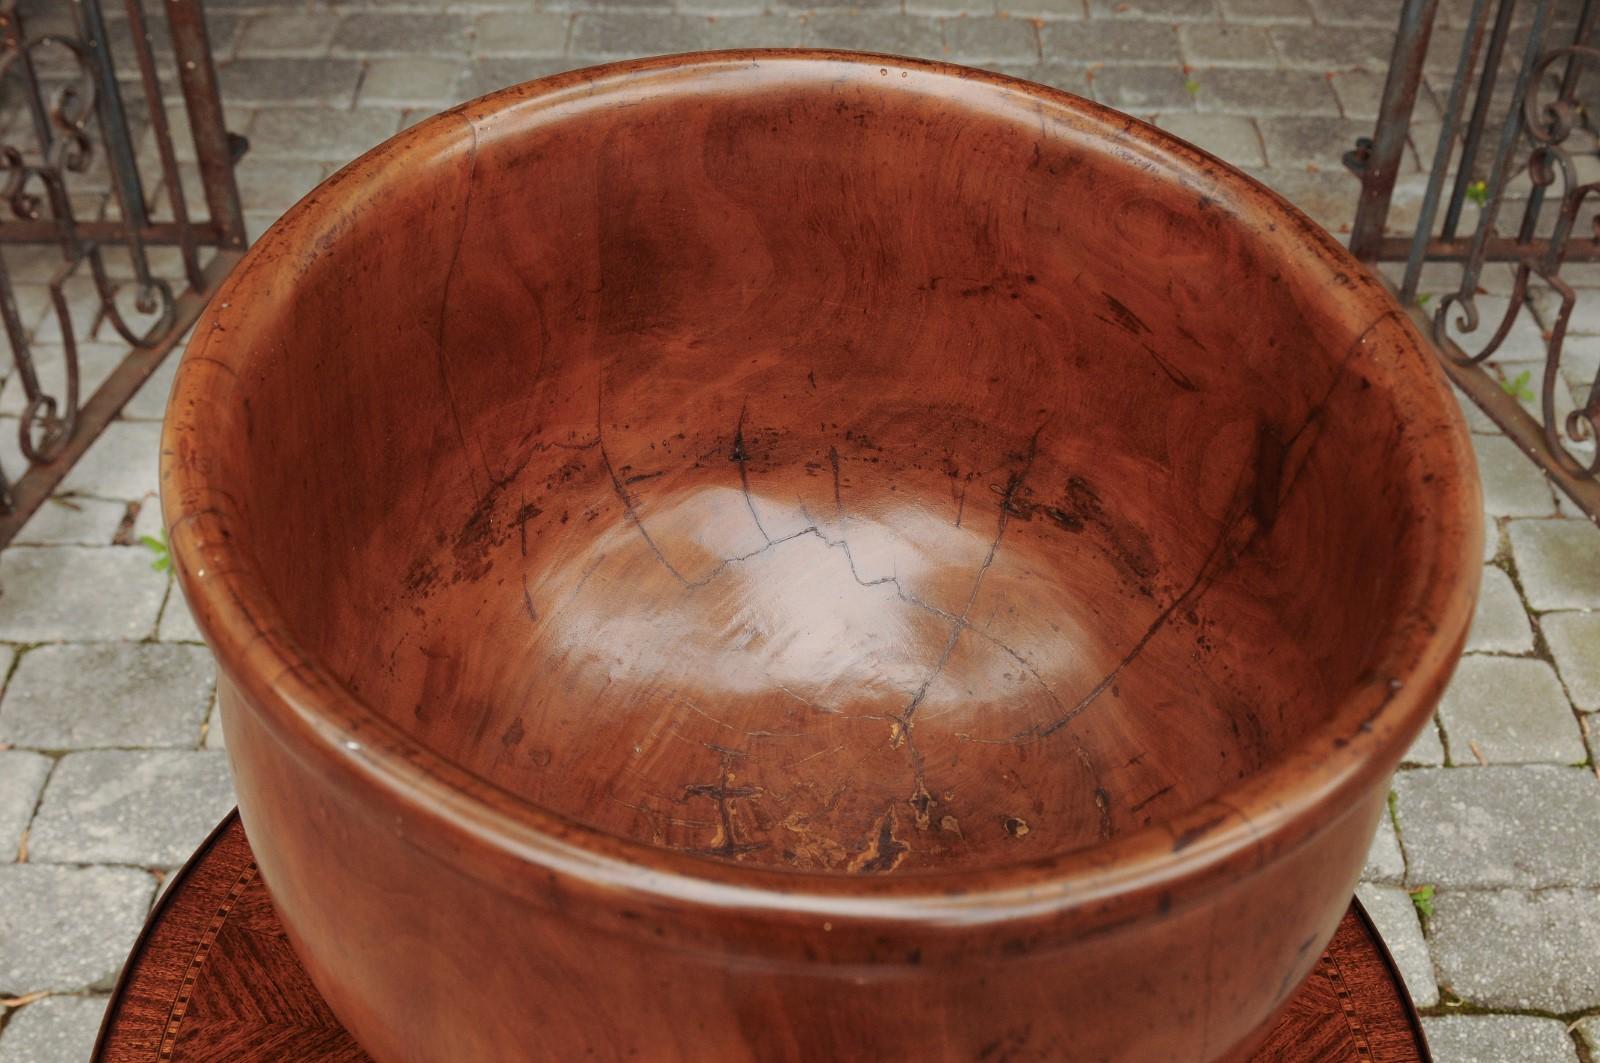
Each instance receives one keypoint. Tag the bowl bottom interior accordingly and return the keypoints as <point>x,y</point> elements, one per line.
<point>898,639</point>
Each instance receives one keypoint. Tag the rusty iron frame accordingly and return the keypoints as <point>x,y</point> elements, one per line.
<point>1476,160</point>
<point>72,108</point>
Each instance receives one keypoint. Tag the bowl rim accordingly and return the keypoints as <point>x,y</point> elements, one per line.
<point>496,834</point>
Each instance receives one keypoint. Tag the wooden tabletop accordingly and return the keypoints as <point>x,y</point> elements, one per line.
<point>212,978</point>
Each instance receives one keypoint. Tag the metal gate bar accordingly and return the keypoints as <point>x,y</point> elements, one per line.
<point>55,429</point>
<point>1541,113</point>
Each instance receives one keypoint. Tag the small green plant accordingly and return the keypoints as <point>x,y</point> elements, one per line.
<point>1422,898</point>
<point>1423,300</point>
<point>163,555</point>
<point>1192,87</point>
<point>1478,192</point>
<point>1517,387</point>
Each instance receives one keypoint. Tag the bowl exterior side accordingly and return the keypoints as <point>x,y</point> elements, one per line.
<point>422,961</point>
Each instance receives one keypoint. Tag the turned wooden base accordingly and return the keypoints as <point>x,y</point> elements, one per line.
<point>213,978</point>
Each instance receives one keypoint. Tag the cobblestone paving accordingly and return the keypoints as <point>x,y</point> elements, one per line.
<point>111,761</point>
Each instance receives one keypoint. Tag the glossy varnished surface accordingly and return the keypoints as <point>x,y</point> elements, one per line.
<point>827,517</point>
<point>213,978</point>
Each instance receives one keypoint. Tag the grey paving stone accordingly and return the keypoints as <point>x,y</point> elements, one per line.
<point>1509,710</point>
<point>1395,916</point>
<point>78,592</point>
<point>989,41</point>
<point>67,521</point>
<point>1328,196</point>
<point>1498,1039</point>
<point>53,1030</point>
<point>22,776</point>
<point>1142,89</point>
<point>1512,486</point>
<point>489,75</point>
<point>1322,48</point>
<point>1310,141</point>
<point>67,928</point>
<point>1106,43</point>
<point>1230,137</point>
<point>1588,1032</point>
<point>215,739</point>
<point>617,34</point>
<point>269,82</point>
<point>387,33</point>
<point>1266,11</point>
<point>1426,749</point>
<point>287,33</point>
<point>755,31</point>
<point>145,807</point>
<point>1384,862</point>
<point>1558,562</point>
<point>1500,623</point>
<point>274,184</point>
<point>897,35</point>
<point>1529,827</point>
<point>1211,44</point>
<point>1574,641</point>
<point>415,82</point>
<point>1375,13</point>
<point>1075,79</point>
<point>1042,9</point>
<point>1510,949</point>
<point>103,694</point>
<point>1177,10</point>
<point>944,8</point>
<point>177,622</point>
<point>320,132</point>
<point>521,33</point>
<point>95,362</point>
<point>1263,92</point>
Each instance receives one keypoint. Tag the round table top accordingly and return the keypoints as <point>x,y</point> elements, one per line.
<point>213,977</point>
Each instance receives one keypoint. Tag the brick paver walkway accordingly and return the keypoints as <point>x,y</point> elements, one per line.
<point>111,762</point>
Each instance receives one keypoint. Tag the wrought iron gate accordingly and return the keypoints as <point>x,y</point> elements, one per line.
<point>69,122</point>
<point>1511,146</point>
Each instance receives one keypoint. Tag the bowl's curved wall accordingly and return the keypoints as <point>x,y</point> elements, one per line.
<point>840,466</point>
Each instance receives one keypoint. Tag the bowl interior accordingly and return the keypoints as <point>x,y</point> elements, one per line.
<point>827,465</point>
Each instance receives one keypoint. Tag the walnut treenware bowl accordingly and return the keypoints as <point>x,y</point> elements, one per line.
<point>809,556</point>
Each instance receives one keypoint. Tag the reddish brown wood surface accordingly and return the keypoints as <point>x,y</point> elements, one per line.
<point>906,562</point>
<point>214,979</point>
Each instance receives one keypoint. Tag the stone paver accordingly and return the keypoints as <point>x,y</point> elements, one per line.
<point>1500,623</point>
<point>1427,749</point>
<point>1558,562</point>
<point>67,928</point>
<point>1531,826</point>
<point>1588,1032</point>
<point>22,776</point>
<point>1395,916</point>
<point>1508,488</point>
<point>148,807</point>
<point>1498,1039</point>
<point>1509,710</point>
<point>1385,863</point>
<point>71,592</point>
<point>1574,641</point>
<point>107,694</point>
<point>56,1029</point>
<point>1229,136</point>
<point>73,521</point>
<point>1513,949</point>
<point>121,464</point>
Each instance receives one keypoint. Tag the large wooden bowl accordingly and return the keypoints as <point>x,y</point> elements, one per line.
<point>809,556</point>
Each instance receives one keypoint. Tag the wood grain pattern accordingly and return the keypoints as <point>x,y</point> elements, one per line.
<point>899,559</point>
<point>215,959</point>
